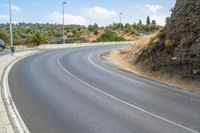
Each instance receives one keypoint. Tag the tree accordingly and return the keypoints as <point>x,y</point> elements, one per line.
<point>75,32</point>
<point>128,28</point>
<point>153,22</point>
<point>3,34</point>
<point>96,32</point>
<point>148,21</point>
<point>39,38</point>
<point>17,40</point>
<point>167,19</point>
<point>127,25</point>
<point>172,10</point>
<point>116,26</point>
<point>109,36</point>
<point>140,22</point>
<point>93,27</point>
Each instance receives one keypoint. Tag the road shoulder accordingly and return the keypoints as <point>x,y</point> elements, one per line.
<point>113,59</point>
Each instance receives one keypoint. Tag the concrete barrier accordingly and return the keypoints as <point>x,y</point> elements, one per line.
<point>71,45</point>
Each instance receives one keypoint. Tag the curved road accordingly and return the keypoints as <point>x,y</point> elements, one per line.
<point>72,91</point>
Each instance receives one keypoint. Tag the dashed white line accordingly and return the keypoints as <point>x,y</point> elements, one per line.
<point>124,102</point>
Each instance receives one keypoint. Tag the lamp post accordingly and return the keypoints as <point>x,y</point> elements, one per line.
<point>11,32</point>
<point>63,7</point>
<point>120,21</point>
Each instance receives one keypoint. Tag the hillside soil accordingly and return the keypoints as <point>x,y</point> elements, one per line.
<point>171,55</point>
<point>124,59</point>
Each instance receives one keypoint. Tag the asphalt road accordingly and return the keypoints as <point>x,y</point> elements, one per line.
<point>72,91</point>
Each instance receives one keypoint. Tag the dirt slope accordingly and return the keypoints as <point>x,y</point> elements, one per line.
<point>173,53</point>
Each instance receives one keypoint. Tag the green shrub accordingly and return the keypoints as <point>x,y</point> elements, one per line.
<point>109,36</point>
<point>39,38</point>
<point>4,34</point>
<point>92,28</point>
<point>17,40</point>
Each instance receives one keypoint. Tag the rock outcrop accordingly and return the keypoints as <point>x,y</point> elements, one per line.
<point>177,47</point>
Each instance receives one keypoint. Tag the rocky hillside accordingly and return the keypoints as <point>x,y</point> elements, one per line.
<point>176,48</point>
<point>171,55</point>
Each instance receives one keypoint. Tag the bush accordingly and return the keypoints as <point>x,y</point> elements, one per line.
<point>17,40</point>
<point>39,38</point>
<point>109,36</point>
<point>4,35</point>
<point>96,32</point>
<point>92,28</point>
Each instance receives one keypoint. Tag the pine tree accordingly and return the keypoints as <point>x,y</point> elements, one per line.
<point>148,21</point>
<point>140,22</point>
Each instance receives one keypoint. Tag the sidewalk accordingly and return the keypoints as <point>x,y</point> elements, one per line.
<point>5,125</point>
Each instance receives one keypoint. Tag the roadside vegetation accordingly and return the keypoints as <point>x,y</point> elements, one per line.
<point>110,36</point>
<point>29,34</point>
<point>170,55</point>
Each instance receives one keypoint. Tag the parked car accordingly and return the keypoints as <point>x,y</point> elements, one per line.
<point>2,45</point>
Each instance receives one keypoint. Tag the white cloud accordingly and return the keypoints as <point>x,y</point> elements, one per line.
<point>69,19</point>
<point>160,19</point>
<point>153,8</point>
<point>13,7</point>
<point>101,13</point>
<point>153,11</point>
<point>4,17</point>
<point>139,7</point>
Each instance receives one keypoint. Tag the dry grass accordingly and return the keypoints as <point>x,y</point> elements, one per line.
<point>125,59</point>
<point>131,37</point>
<point>132,53</point>
<point>91,37</point>
<point>169,43</point>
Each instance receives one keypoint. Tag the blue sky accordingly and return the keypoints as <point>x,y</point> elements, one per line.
<point>85,12</point>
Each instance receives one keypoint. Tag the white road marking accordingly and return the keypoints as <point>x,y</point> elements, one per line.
<point>89,59</point>
<point>15,118</point>
<point>124,102</point>
<point>129,79</point>
<point>196,100</point>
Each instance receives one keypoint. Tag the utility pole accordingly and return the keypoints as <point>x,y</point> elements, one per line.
<point>11,32</point>
<point>120,21</point>
<point>63,7</point>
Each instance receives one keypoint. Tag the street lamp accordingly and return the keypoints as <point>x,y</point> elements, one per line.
<point>63,5</point>
<point>11,32</point>
<point>120,21</point>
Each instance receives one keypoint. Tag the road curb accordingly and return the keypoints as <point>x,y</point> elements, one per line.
<point>73,45</point>
<point>13,114</point>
